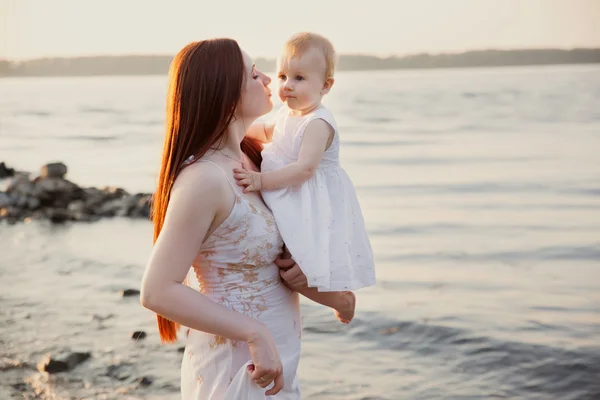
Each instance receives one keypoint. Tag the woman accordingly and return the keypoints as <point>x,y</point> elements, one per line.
<point>242,311</point>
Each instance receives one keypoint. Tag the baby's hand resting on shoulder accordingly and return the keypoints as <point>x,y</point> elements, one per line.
<point>249,179</point>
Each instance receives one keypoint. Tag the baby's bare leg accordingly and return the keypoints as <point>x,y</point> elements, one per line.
<point>343,303</point>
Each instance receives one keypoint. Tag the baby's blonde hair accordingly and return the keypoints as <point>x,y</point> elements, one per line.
<point>300,43</point>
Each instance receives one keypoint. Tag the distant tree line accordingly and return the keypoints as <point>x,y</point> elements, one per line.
<point>159,64</point>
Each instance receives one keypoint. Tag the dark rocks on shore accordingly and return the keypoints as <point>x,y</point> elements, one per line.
<point>145,381</point>
<point>53,170</point>
<point>121,372</point>
<point>50,196</point>
<point>6,172</point>
<point>62,363</point>
<point>130,292</point>
<point>137,335</point>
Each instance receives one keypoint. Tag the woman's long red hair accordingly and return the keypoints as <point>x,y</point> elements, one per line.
<point>205,87</point>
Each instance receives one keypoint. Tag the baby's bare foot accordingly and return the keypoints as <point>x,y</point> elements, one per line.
<point>345,311</point>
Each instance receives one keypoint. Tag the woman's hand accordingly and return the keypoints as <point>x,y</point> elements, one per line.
<point>290,272</point>
<point>267,366</point>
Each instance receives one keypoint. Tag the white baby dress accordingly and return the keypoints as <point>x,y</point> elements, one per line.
<point>320,220</point>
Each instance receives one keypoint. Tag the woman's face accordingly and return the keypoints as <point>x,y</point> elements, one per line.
<point>256,95</point>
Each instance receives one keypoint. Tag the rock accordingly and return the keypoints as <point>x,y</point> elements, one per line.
<point>114,192</point>
<point>120,372</point>
<point>21,202</point>
<point>33,203</point>
<point>130,204</point>
<point>137,335</point>
<point>62,363</point>
<point>11,213</point>
<point>77,206</point>
<point>106,202</point>
<point>6,200</point>
<point>6,172</point>
<point>84,217</point>
<point>139,206</point>
<point>110,208</point>
<point>142,206</point>
<point>20,186</point>
<point>57,192</point>
<point>93,197</point>
<point>53,170</point>
<point>130,292</point>
<point>58,215</point>
<point>50,196</point>
<point>145,381</point>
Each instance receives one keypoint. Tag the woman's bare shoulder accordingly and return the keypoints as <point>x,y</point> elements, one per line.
<point>201,179</point>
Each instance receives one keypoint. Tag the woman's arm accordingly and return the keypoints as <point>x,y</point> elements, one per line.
<point>190,214</point>
<point>316,140</point>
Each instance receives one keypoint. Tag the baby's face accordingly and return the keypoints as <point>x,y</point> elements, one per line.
<point>301,80</point>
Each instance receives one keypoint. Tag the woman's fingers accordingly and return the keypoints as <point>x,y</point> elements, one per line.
<point>291,274</point>
<point>284,263</point>
<point>285,253</point>
<point>277,387</point>
<point>294,278</point>
<point>264,378</point>
<point>263,384</point>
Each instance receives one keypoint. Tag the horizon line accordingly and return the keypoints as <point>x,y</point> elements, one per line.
<point>381,55</point>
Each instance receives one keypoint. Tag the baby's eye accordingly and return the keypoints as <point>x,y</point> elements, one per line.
<point>299,78</point>
<point>281,76</point>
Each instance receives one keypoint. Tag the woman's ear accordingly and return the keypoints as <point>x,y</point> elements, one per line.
<point>327,85</point>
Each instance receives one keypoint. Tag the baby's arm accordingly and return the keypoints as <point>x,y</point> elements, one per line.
<point>261,131</point>
<point>316,139</point>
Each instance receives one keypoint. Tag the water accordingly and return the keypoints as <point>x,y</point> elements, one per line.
<point>480,189</point>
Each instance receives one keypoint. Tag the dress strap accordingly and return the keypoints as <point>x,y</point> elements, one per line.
<point>224,173</point>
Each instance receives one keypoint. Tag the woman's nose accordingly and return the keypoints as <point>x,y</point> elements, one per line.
<point>267,80</point>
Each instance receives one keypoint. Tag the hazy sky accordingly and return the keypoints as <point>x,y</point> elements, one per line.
<point>31,29</point>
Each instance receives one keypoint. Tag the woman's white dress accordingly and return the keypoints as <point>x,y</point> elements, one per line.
<point>235,268</point>
<point>320,220</point>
